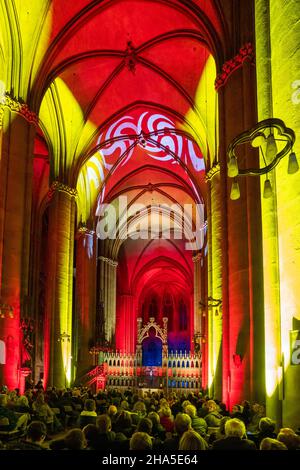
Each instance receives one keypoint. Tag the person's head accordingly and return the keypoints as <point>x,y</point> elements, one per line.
<point>163,402</point>
<point>36,432</point>
<point>185,403</point>
<point>211,406</point>
<point>288,431</point>
<point>145,425</point>
<point>183,423</point>
<point>256,408</point>
<point>235,428</point>
<point>90,405</point>
<point>140,441</point>
<point>154,418</point>
<point>112,411</point>
<point>288,437</point>
<point>222,424</point>
<point>272,444</point>
<point>124,405</point>
<point>237,409</point>
<point>92,434</point>
<point>75,440</point>
<point>165,411</point>
<point>12,396</point>
<point>123,421</point>
<point>204,405</point>
<point>103,423</point>
<point>191,411</point>
<point>23,401</point>
<point>140,408</point>
<point>3,399</point>
<point>266,425</point>
<point>191,440</point>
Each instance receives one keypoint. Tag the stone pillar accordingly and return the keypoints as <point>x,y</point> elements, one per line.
<point>126,335</point>
<point>243,266</point>
<point>197,333</point>
<point>108,287</point>
<point>59,288</point>
<point>85,298</point>
<point>269,222</point>
<point>16,151</point>
<point>215,257</point>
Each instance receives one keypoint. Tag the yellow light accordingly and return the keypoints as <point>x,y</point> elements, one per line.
<point>271,147</point>
<point>233,169</point>
<point>205,121</point>
<point>293,166</point>
<point>235,191</point>
<point>267,189</point>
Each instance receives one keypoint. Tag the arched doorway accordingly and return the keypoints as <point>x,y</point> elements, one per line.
<point>152,350</point>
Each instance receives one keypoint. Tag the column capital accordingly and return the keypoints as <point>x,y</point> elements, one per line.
<point>57,186</point>
<point>214,170</point>
<point>109,261</point>
<point>7,101</point>
<point>246,53</point>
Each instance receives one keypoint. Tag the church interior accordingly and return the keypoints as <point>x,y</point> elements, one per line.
<point>149,197</point>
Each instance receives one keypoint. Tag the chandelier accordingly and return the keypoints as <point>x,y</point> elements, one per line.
<point>275,141</point>
<point>210,304</point>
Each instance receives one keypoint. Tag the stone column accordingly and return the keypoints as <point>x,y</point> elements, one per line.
<point>215,257</point>
<point>126,334</point>
<point>269,222</point>
<point>197,299</point>
<point>108,286</point>
<point>85,298</point>
<point>59,288</point>
<point>243,337</point>
<point>16,152</point>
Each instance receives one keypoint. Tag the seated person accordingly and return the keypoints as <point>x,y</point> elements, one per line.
<point>158,431</point>
<point>191,440</point>
<point>22,405</point>
<point>88,415</point>
<point>107,436</point>
<point>42,410</point>
<point>213,417</point>
<point>198,424</point>
<point>140,441</point>
<point>13,422</point>
<point>183,423</point>
<point>289,438</point>
<point>35,436</point>
<point>219,433</point>
<point>237,412</point>
<point>74,440</point>
<point>272,444</point>
<point>266,428</point>
<point>257,414</point>
<point>166,419</point>
<point>234,439</point>
<point>93,437</point>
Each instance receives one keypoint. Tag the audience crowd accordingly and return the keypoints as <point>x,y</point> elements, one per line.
<point>77,419</point>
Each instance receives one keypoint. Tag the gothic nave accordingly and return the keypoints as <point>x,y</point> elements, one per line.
<point>149,197</point>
